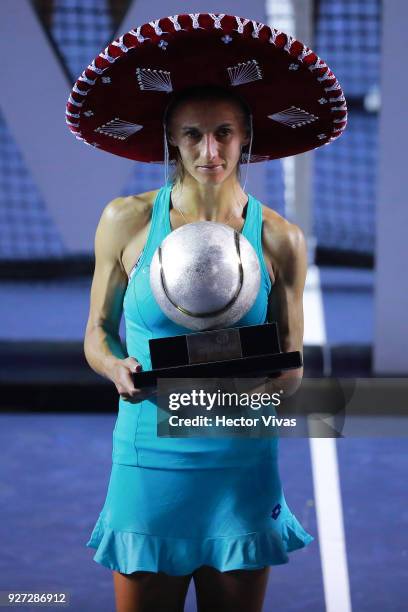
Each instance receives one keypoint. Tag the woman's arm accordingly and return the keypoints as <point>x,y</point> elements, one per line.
<point>286,246</point>
<point>102,344</point>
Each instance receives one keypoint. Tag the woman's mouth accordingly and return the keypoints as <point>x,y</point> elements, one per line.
<point>213,168</point>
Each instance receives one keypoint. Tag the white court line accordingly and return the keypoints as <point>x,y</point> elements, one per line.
<point>329,515</point>
<point>329,511</point>
<point>315,329</point>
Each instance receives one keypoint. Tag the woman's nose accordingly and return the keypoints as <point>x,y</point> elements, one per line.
<point>210,145</point>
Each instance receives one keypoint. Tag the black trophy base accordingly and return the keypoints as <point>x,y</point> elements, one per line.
<point>243,352</point>
<point>247,367</point>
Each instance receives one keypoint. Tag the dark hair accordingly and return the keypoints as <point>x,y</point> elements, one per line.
<point>207,93</point>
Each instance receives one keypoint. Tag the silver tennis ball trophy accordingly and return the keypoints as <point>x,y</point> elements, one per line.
<point>205,277</point>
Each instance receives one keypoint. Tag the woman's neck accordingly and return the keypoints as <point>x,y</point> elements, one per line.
<point>209,202</point>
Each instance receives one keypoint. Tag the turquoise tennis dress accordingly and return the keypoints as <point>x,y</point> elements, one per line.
<point>174,504</point>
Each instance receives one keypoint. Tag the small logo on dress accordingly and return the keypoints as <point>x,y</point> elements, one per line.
<point>276,511</point>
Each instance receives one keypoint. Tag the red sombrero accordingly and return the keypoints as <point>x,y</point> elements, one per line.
<point>117,104</point>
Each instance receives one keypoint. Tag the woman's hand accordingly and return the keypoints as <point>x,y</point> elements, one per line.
<point>121,376</point>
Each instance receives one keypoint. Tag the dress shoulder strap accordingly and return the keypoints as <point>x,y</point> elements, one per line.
<point>157,230</point>
<point>252,230</point>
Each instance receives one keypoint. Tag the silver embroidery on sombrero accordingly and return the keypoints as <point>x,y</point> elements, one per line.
<point>343,107</point>
<point>289,41</point>
<point>274,36</point>
<point>257,28</point>
<point>117,128</point>
<point>157,29</point>
<point>294,67</point>
<point>244,72</point>
<point>340,98</point>
<point>333,87</point>
<point>79,91</point>
<point>119,43</point>
<point>217,20</point>
<point>253,158</point>
<point>138,35</point>
<point>327,75</point>
<point>174,21</point>
<point>76,115</point>
<point>293,117</point>
<point>68,122</point>
<point>88,113</point>
<point>106,80</point>
<point>105,55</point>
<point>304,53</point>
<point>155,80</point>
<point>322,101</point>
<point>74,102</point>
<point>319,63</point>
<point>194,18</point>
<point>335,134</point>
<point>226,39</point>
<point>338,130</point>
<point>163,45</point>
<point>85,79</point>
<point>241,24</point>
<point>322,136</point>
<point>95,69</point>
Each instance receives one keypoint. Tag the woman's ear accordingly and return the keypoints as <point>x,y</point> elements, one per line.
<point>170,139</point>
<point>246,141</point>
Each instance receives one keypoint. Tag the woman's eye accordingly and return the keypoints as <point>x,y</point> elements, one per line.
<point>225,132</point>
<point>192,133</point>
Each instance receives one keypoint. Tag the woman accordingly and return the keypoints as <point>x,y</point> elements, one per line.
<point>208,509</point>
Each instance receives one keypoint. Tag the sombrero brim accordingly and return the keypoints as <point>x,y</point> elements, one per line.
<point>117,104</point>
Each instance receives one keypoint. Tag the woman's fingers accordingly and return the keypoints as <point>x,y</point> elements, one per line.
<point>124,381</point>
<point>133,364</point>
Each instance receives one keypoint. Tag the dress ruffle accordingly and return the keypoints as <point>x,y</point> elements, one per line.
<point>129,551</point>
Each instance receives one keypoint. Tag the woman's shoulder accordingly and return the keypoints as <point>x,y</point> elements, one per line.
<point>125,219</point>
<point>280,237</point>
<point>131,209</point>
<point>274,225</point>
<point>134,203</point>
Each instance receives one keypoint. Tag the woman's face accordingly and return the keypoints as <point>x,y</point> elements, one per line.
<point>209,136</point>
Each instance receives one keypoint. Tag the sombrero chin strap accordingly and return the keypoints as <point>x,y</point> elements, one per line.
<point>166,156</point>
<point>249,153</point>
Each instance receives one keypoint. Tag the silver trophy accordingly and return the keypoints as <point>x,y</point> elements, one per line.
<point>206,276</point>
